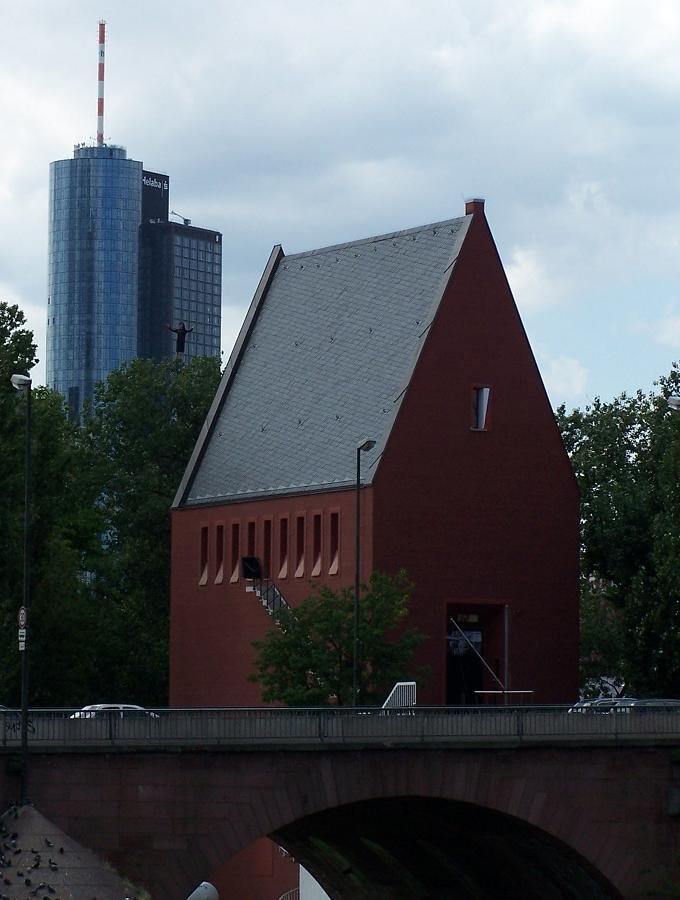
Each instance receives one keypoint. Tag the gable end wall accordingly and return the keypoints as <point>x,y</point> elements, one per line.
<point>483,518</point>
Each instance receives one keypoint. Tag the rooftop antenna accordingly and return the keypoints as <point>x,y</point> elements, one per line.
<point>180,216</point>
<point>100,94</point>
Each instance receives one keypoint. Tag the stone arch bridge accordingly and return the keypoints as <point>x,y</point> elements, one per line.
<point>513,803</point>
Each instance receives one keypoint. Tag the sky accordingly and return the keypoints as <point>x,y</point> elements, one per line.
<point>311,122</point>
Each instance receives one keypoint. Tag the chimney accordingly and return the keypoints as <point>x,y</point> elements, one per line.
<point>474,206</point>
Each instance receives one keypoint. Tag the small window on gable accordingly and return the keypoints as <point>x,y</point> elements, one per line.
<point>219,554</point>
<point>299,546</point>
<point>203,571</point>
<point>316,544</point>
<point>235,551</point>
<point>480,408</point>
<point>283,548</point>
<point>267,548</point>
<point>334,543</point>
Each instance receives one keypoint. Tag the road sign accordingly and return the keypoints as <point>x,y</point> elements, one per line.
<point>22,634</point>
<point>22,617</point>
<point>22,645</point>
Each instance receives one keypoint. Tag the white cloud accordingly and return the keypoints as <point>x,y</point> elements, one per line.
<point>667,331</point>
<point>308,123</point>
<point>531,287</point>
<point>565,379</point>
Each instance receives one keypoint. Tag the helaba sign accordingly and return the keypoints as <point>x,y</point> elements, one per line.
<point>155,196</point>
<point>154,181</point>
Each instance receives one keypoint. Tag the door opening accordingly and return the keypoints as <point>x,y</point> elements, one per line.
<point>464,674</point>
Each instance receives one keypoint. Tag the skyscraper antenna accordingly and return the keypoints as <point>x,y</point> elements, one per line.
<point>100,94</point>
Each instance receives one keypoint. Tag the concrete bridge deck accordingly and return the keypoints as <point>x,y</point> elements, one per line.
<point>323,728</point>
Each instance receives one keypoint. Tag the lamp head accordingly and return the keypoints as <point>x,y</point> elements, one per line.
<point>366,444</point>
<point>673,402</point>
<point>21,382</point>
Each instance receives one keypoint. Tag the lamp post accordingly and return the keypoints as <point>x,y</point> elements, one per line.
<point>363,446</point>
<point>22,383</point>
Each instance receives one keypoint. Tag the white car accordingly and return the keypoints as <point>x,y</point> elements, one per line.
<point>123,710</point>
<point>601,706</point>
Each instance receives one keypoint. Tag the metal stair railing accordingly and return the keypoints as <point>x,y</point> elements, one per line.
<point>269,596</point>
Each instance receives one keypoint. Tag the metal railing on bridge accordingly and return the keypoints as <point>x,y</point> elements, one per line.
<point>339,727</point>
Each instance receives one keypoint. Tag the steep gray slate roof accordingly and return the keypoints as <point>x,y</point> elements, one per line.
<point>335,338</point>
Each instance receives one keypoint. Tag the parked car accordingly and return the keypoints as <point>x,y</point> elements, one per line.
<point>652,704</point>
<point>601,706</point>
<point>117,710</point>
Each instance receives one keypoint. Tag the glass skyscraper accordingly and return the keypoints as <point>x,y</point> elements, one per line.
<point>180,279</point>
<point>118,271</point>
<point>95,211</point>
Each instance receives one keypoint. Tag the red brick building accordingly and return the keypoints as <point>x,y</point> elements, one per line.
<point>412,340</point>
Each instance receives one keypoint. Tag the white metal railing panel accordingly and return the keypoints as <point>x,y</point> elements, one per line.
<point>402,694</point>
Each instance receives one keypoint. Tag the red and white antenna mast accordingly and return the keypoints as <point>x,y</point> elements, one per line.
<point>100,95</point>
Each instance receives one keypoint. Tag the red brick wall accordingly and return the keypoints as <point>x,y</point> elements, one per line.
<point>214,624</point>
<point>486,517</point>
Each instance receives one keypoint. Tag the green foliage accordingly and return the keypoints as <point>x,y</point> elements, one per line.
<point>306,658</point>
<point>626,455</point>
<point>17,349</point>
<point>100,530</point>
<point>62,528</point>
<point>140,434</point>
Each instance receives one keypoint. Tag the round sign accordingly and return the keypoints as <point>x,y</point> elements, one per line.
<point>23,616</point>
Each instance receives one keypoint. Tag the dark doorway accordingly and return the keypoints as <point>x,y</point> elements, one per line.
<point>464,672</point>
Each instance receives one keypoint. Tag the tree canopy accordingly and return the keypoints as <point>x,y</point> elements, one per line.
<point>143,427</point>
<point>626,456</point>
<point>100,533</point>
<point>306,659</point>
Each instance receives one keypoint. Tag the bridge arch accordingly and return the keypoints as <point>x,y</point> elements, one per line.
<point>414,848</point>
<point>170,819</point>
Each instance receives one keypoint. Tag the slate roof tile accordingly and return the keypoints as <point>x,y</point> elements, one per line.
<point>325,364</point>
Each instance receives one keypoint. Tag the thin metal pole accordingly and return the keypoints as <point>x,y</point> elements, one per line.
<point>506,649</point>
<point>357,577</point>
<point>27,600</point>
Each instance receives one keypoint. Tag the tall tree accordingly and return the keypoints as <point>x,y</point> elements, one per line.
<point>307,658</point>
<point>17,348</point>
<point>62,529</point>
<point>626,456</point>
<point>142,428</point>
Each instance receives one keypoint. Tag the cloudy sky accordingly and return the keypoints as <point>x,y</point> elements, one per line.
<point>311,122</point>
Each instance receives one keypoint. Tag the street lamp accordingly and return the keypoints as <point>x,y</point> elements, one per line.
<point>363,446</point>
<point>22,383</point>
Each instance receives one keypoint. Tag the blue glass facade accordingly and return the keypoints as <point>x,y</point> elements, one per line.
<point>95,210</point>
